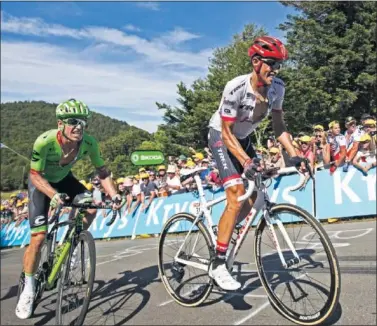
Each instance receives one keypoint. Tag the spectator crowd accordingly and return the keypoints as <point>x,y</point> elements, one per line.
<point>325,149</point>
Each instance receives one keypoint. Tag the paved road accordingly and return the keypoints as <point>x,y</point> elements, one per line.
<point>128,289</point>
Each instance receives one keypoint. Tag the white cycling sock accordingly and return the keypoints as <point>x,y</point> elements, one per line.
<point>29,283</point>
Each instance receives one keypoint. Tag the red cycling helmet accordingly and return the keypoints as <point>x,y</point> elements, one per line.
<point>269,47</point>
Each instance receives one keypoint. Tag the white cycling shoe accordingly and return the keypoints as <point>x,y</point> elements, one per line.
<point>223,279</point>
<point>24,307</point>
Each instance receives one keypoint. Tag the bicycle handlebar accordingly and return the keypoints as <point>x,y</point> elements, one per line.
<point>300,184</point>
<point>87,206</point>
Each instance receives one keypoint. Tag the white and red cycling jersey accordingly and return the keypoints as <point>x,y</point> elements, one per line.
<point>351,139</point>
<point>238,103</point>
<point>336,143</point>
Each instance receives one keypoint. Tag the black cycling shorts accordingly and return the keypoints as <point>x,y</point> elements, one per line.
<point>230,169</point>
<point>39,203</point>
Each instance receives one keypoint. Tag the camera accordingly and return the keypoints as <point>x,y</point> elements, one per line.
<point>372,133</point>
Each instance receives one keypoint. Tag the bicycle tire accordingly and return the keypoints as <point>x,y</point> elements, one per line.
<point>88,238</point>
<point>208,287</point>
<point>331,304</point>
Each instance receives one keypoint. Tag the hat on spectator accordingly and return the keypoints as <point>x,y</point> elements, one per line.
<point>171,169</point>
<point>141,170</point>
<point>370,122</point>
<point>305,139</point>
<point>144,175</point>
<point>89,186</point>
<point>262,149</point>
<point>137,177</point>
<point>319,127</point>
<point>128,182</point>
<point>274,150</point>
<point>205,160</point>
<point>161,167</point>
<point>300,134</point>
<point>365,116</point>
<point>333,123</point>
<point>190,164</point>
<point>198,156</point>
<point>182,157</point>
<point>120,180</point>
<point>365,137</point>
<point>349,120</point>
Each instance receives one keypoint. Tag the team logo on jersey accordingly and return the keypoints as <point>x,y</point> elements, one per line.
<point>219,143</point>
<point>228,102</point>
<point>237,88</point>
<point>35,156</point>
<point>250,96</point>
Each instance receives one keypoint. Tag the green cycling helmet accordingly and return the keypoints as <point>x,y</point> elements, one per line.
<point>72,109</point>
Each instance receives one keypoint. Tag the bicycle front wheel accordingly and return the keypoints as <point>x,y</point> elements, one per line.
<point>302,278</point>
<point>184,259</point>
<point>76,282</point>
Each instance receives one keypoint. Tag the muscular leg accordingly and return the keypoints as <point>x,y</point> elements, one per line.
<point>248,204</point>
<point>32,253</point>
<point>229,216</point>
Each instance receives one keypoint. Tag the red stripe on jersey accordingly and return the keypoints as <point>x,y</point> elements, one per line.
<point>228,118</point>
<point>231,177</point>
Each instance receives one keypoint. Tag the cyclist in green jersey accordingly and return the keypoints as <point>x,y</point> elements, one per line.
<point>51,181</point>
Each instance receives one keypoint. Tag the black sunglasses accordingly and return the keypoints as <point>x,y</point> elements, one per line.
<point>273,64</point>
<point>75,122</point>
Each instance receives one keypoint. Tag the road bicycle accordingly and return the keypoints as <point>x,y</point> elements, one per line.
<point>56,268</point>
<point>276,267</point>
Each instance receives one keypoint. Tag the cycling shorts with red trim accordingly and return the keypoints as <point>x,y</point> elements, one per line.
<point>230,169</point>
<point>39,203</point>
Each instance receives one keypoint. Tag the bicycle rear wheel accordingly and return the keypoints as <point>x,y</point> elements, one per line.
<point>188,285</point>
<point>76,274</point>
<point>323,264</point>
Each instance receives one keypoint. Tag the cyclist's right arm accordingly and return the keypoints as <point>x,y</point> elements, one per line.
<point>37,165</point>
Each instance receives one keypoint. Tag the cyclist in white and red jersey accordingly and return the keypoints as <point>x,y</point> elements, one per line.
<point>338,145</point>
<point>246,101</point>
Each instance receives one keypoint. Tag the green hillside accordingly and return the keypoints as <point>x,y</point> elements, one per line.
<point>23,122</point>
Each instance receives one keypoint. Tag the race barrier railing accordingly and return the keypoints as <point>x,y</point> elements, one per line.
<point>341,195</point>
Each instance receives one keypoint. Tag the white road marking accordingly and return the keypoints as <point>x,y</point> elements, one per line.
<point>254,313</point>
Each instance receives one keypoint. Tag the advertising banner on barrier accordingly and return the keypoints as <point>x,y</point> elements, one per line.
<point>345,193</point>
<point>340,195</point>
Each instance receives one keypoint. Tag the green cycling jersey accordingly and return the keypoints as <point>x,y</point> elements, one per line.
<point>47,154</point>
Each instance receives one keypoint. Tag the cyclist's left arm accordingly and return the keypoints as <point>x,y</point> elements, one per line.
<point>278,123</point>
<point>102,171</point>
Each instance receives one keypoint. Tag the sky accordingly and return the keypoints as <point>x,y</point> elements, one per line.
<point>120,58</point>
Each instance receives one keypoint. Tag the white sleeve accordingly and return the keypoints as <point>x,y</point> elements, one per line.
<point>341,140</point>
<point>136,190</point>
<point>357,135</point>
<point>230,101</point>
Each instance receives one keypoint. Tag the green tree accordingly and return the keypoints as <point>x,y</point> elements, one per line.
<point>332,71</point>
<point>187,124</point>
